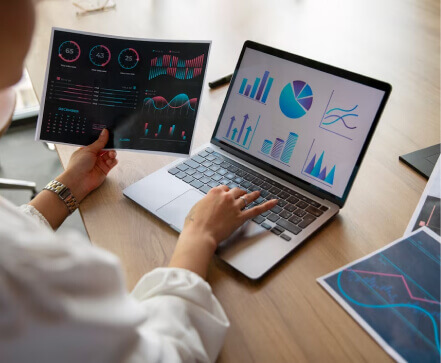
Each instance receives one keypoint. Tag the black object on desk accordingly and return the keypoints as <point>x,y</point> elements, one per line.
<point>220,82</point>
<point>423,161</point>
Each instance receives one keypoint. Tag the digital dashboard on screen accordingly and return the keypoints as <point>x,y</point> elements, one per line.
<point>145,92</point>
<point>301,120</point>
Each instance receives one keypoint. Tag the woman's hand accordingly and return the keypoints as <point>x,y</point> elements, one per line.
<point>86,171</point>
<point>210,221</point>
<point>88,167</point>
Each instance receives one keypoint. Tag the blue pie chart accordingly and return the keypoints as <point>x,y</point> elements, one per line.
<point>295,99</point>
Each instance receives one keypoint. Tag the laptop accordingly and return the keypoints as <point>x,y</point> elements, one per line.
<point>293,128</point>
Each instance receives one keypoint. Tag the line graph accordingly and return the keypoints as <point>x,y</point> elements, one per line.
<point>398,276</point>
<point>337,120</point>
<point>394,293</point>
<point>180,101</point>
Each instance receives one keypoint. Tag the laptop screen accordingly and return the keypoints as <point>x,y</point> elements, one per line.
<point>306,119</point>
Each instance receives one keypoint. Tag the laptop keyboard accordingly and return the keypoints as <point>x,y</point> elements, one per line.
<point>294,211</point>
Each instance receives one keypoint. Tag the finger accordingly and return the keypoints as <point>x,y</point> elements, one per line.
<point>237,192</point>
<point>102,165</point>
<point>106,155</point>
<point>223,188</point>
<point>245,199</point>
<point>100,143</point>
<point>111,163</point>
<point>259,209</point>
<point>251,197</point>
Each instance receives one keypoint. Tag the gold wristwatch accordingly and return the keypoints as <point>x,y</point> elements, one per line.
<point>64,194</point>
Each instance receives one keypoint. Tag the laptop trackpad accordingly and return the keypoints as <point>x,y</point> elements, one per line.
<point>174,212</point>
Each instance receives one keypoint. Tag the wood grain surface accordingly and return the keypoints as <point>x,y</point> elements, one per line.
<point>287,316</point>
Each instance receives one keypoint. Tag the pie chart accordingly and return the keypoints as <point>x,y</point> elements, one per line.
<point>295,99</point>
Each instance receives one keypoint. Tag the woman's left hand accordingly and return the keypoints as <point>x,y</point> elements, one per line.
<point>88,167</point>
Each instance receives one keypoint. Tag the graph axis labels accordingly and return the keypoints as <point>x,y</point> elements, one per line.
<point>240,132</point>
<point>315,171</point>
<point>337,118</point>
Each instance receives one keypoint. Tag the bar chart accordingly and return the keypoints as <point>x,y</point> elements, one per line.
<point>241,131</point>
<point>257,90</point>
<point>160,132</point>
<point>279,149</point>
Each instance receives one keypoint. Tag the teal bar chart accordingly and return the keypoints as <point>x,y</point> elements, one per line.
<point>259,90</point>
<point>279,149</point>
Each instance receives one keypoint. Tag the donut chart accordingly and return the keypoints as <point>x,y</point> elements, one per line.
<point>296,99</point>
<point>69,51</point>
<point>100,55</point>
<point>128,58</point>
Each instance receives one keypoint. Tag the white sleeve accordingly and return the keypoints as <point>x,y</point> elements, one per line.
<point>35,214</point>
<point>185,322</point>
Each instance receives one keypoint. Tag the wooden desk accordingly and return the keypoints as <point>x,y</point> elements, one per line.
<point>286,317</point>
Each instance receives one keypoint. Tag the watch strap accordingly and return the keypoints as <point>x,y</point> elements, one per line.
<point>64,194</point>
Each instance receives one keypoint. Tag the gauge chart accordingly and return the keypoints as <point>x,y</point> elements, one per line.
<point>295,99</point>
<point>128,58</point>
<point>100,55</point>
<point>69,51</point>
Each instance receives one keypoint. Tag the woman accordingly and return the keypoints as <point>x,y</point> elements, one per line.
<point>62,300</point>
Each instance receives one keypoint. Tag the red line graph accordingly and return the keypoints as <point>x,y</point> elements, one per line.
<point>422,223</point>
<point>404,282</point>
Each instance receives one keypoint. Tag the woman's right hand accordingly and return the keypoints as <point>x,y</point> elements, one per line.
<point>212,220</point>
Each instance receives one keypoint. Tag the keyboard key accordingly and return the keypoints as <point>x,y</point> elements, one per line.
<point>207,164</point>
<point>266,225</point>
<point>209,150</point>
<point>190,171</point>
<point>217,161</point>
<point>302,204</point>
<point>232,168</point>
<point>197,184</point>
<point>238,180</point>
<point>258,181</point>
<point>299,212</point>
<point>275,190</point>
<point>314,211</point>
<point>295,219</point>
<point>216,177</point>
<point>276,231</point>
<point>285,237</point>
<point>230,176</point>
<point>307,221</point>
<point>254,188</point>
<point>173,171</point>
<point>290,207</point>
<point>284,195</point>
<point>282,203</point>
<point>264,193</point>
<point>182,167</point>
<point>240,173</point>
<point>188,179</point>
<point>273,217</point>
<point>264,214</point>
<point>198,159</point>
<point>215,167</point>
<point>201,169</point>
<point>265,185</point>
<point>205,180</point>
<point>324,208</point>
<point>259,219</point>
<point>285,214</point>
<point>209,173</point>
<point>259,200</point>
<point>292,200</point>
<point>315,204</point>
<point>276,209</point>
<point>191,163</point>
<point>180,175</point>
<point>222,171</point>
<point>203,154</point>
<point>246,184</point>
<point>225,165</point>
<point>224,181</point>
<point>232,185</point>
<point>210,157</point>
<point>198,175</point>
<point>205,189</point>
<point>213,184</point>
<point>289,226</point>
